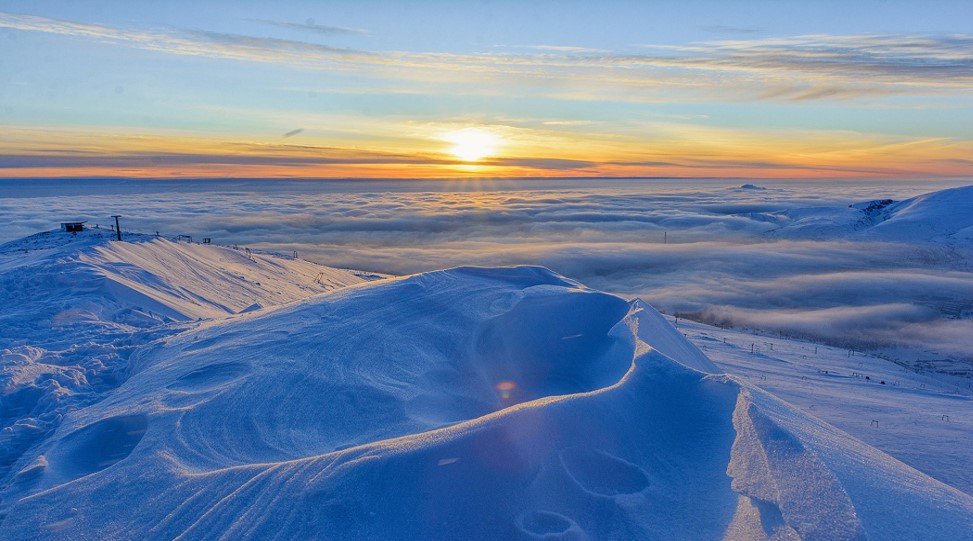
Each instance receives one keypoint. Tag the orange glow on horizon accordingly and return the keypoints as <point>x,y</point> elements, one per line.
<point>670,150</point>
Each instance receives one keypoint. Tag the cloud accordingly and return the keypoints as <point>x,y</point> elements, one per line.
<point>794,69</point>
<point>139,159</point>
<point>720,264</point>
<point>265,155</point>
<point>559,164</point>
<point>188,42</point>
<point>311,26</point>
<point>336,145</point>
<point>876,54</point>
<point>567,49</point>
<point>257,45</point>
<point>754,165</point>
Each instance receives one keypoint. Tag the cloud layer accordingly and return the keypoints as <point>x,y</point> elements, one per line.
<point>698,250</point>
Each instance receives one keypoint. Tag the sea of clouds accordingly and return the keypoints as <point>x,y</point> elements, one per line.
<point>702,249</point>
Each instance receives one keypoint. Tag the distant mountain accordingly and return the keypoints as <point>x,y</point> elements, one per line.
<point>470,403</point>
<point>946,214</point>
<point>943,216</point>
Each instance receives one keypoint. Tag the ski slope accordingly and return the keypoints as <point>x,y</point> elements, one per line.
<point>470,403</point>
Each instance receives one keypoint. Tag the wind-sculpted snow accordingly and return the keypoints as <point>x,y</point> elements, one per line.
<point>77,308</point>
<point>471,403</point>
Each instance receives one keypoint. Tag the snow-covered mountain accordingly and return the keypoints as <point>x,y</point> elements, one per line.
<point>942,216</point>
<point>470,403</point>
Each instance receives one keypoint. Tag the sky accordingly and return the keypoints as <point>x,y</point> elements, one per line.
<point>372,89</point>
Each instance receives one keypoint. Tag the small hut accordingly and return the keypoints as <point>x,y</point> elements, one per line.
<point>72,227</point>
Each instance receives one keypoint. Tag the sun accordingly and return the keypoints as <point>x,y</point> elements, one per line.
<point>472,144</point>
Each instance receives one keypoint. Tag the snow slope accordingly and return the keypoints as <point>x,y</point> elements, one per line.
<point>145,280</point>
<point>944,216</point>
<point>920,416</point>
<point>76,309</point>
<point>470,403</point>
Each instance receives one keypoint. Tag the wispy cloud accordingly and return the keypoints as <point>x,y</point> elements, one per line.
<point>558,164</point>
<point>157,159</point>
<point>750,165</point>
<point>265,155</point>
<point>900,57</point>
<point>259,46</point>
<point>801,68</point>
<point>311,26</point>
<point>567,49</point>
<point>187,42</point>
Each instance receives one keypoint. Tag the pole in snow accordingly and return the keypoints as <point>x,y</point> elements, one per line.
<point>118,228</point>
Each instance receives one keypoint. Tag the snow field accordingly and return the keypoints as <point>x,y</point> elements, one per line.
<point>470,403</point>
<point>163,390</point>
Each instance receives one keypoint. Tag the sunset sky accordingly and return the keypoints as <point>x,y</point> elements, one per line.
<point>454,89</point>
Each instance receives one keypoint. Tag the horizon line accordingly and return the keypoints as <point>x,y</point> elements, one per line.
<point>473,178</point>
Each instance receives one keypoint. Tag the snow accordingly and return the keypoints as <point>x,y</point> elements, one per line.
<point>78,307</point>
<point>469,403</point>
<point>937,217</point>
<point>920,417</point>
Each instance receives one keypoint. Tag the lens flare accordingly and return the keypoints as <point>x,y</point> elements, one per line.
<point>506,388</point>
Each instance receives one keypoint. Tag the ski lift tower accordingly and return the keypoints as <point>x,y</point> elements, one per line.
<point>118,228</point>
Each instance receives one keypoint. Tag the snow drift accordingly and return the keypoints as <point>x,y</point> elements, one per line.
<point>472,403</point>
